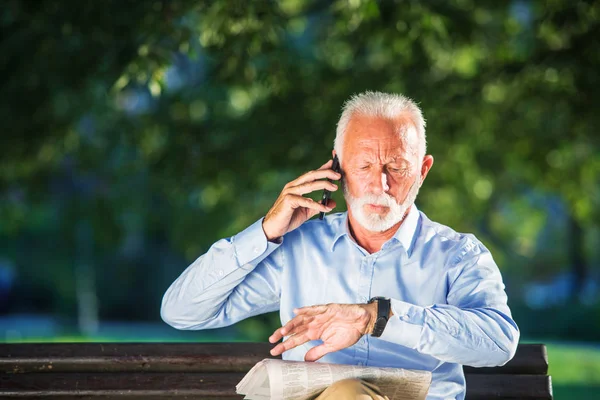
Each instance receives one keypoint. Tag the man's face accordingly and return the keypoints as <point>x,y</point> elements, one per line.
<point>381,170</point>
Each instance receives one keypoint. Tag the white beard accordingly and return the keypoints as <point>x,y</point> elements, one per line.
<point>376,222</point>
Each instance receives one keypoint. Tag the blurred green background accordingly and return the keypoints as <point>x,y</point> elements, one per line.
<point>137,133</point>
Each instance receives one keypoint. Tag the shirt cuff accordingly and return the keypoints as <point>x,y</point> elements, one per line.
<point>251,245</point>
<point>406,325</point>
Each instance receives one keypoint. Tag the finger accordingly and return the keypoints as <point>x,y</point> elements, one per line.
<point>277,335</point>
<point>324,167</point>
<point>317,352</point>
<point>314,175</point>
<point>309,187</point>
<point>331,203</point>
<point>311,310</point>
<point>297,325</point>
<point>292,324</point>
<point>290,343</point>
<point>292,327</point>
<point>299,201</point>
<point>327,165</point>
<point>293,341</point>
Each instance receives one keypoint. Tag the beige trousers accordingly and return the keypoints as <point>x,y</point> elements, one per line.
<point>352,389</point>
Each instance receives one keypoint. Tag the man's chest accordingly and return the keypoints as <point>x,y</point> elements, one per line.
<point>353,277</point>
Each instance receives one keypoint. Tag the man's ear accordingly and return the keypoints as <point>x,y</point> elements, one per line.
<point>425,167</point>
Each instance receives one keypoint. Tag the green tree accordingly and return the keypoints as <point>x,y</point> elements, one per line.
<point>509,91</point>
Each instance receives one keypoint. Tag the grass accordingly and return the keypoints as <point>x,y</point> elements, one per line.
<point>575,371</point>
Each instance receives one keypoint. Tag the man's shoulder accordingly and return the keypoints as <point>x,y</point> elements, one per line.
<point>459,243</point>
<point>329,226</point>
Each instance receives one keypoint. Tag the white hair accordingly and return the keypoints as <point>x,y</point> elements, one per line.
<point>378,104</point>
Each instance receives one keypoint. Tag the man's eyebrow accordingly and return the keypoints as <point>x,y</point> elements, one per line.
<point>363,158</point>
<point>392,160</point>
<point>399,160</point>
<point>365,155</point>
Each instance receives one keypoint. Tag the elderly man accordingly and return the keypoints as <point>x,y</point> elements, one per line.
<point>378,285</point>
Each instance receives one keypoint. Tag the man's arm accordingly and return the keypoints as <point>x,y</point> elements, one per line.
<point>236,278</point>
<point>475,327</point>
<point>218,289</point>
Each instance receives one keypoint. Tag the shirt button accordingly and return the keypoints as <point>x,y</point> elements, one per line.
<point>220,272</point>
<point>256,250</point>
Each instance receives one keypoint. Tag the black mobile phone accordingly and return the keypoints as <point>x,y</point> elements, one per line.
<point>326,193</point>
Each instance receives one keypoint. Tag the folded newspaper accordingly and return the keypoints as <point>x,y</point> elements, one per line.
<point>272,379</point>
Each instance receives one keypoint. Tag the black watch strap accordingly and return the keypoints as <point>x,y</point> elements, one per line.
<point>383,313</point>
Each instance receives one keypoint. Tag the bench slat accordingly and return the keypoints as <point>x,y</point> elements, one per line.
<point>529,359</point>
<point>151,385</point>
<point>488,387</point>
<point>189,357</point>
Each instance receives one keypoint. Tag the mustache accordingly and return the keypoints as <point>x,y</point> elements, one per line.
<point>378,200</point>
<point>383,199</point>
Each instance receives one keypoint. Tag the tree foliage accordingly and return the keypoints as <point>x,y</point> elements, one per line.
<point>181,121</point>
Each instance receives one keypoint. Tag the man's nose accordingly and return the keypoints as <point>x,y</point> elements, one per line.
<point>378,182</point>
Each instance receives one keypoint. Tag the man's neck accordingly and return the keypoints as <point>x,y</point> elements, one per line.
<point>369,240</point>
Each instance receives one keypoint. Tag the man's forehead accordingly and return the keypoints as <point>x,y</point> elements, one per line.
<point>366,134</point>
<point>361,127</point>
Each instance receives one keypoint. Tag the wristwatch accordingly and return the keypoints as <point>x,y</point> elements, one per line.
<point>383,313</point>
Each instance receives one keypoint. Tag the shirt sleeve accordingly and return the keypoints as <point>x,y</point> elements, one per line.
<point>238,277</point>
<point>475,328</point>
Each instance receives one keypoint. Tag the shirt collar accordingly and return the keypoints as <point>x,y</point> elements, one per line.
<point>404,234</point>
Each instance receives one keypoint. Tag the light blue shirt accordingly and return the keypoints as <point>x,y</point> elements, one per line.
<point>446,292</point>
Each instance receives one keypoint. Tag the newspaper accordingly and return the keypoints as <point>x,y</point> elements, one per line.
<point>296,380</point>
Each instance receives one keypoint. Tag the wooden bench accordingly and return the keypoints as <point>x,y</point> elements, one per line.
<point>202,371</point>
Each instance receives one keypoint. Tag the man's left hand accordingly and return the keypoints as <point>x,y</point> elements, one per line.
<point>337,325</point>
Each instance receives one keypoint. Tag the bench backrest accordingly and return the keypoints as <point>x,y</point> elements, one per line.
<point>206,370</point>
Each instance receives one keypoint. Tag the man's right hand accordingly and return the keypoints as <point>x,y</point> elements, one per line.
<point>291,209</point>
